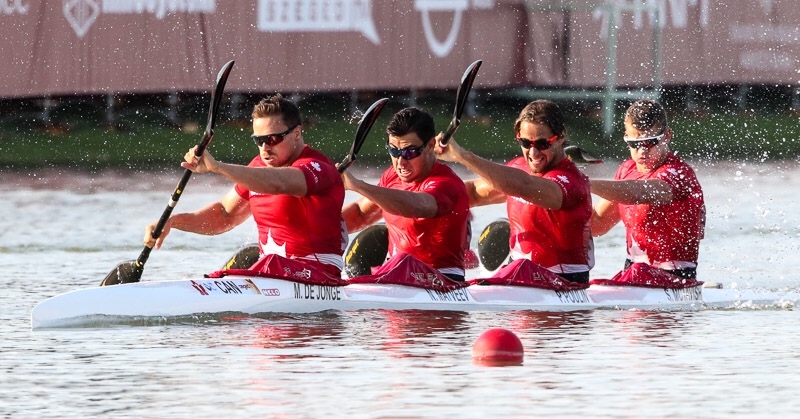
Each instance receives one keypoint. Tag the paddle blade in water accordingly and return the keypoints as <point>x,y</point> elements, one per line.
<point>493,244</point>
<point>124,273</point>
<point>127,272</point>
<point>367,250</point>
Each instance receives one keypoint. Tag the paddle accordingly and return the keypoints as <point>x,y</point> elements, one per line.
<point>248,255</point>
<point>364,125</point>
<point>131,271</point>
<point>493,247</point>
<point>580,156</point>
<point>461,100</point>
<point>368,249</point>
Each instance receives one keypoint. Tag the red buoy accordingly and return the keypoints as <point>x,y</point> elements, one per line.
<point>497,346</point>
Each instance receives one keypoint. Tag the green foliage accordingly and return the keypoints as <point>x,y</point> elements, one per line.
<point>144,137</point>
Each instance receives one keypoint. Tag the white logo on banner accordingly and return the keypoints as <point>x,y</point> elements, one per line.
<point>81,14</point>
<point>13,7</point>
<point>458,7</point>
<point>678,13</point>
<point>441,49</point>
<point>317,16</point>
<point>356,15</point>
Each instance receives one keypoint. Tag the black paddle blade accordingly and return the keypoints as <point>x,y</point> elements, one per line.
<point>244,258</point>
<point>366,123</point>
<point>124,273</point>
<point>461,100</point>
<point>368,249</point>
<point>493,247</point>
<point>580,156</point>
<point>213,108</point>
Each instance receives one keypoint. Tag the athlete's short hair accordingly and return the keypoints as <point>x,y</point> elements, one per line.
<point>278,105</point>
<point>410,120</point>
<point>647,115</point>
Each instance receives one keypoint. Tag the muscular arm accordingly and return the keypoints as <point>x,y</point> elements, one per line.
<point>507,180</point>
<point>215,218</point>
<point>605,215</point>
<point>397,202</point>
<point>481,193</point>
<point>633,192</point>
<point>360,214</point>
<point>266,180</point>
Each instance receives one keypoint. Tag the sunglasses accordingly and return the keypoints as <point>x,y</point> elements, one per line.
<point>541,144</point>
<point>271,139</point>
<point>407,153</point>
<point>645,143</point>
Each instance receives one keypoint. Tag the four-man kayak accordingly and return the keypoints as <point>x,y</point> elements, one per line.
<point>405,286</point>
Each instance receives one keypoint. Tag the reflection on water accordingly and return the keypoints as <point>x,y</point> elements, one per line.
<point>281,331</point>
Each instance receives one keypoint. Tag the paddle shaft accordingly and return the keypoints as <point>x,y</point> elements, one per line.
<point>176,195</point>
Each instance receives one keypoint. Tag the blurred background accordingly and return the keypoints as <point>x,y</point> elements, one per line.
<point>108,83</point>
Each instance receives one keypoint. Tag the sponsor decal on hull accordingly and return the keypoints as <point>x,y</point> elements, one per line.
<point>233,287</point>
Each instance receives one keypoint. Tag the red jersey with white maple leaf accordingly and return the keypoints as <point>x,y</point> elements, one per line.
<point>308,227</point>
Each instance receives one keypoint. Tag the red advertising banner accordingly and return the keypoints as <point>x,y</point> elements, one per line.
<point>55,47</point>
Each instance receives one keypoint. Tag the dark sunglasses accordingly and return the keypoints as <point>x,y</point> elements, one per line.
<point>407,153</point>
<point>271,139</point>
<point>541,144</point>
<point>646,143</point>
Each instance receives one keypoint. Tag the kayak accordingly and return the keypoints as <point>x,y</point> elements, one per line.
<point>248,292</point>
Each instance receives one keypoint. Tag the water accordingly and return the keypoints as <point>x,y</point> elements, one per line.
<point>62,231</point>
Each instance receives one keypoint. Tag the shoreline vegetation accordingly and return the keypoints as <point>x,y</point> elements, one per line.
<point>142,138</point>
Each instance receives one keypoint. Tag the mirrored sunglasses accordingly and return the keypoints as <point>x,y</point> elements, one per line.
<point>272,139</point>
<point>407,153</point>
<point>646,143</point>
<point>540,144</point>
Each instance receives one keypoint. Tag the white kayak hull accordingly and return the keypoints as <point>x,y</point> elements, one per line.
<point>254,295</point>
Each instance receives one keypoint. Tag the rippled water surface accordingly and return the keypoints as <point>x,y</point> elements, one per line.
<point>62,231</point>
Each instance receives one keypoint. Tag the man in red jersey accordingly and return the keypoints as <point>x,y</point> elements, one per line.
<point>293,192</point>
<point>423,201</point>
<point>548,201</point>
<point>655,194</point>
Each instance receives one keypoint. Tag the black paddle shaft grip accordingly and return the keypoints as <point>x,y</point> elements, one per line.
<point>451,130</point>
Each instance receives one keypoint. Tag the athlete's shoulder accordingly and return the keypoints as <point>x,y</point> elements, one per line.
<point>309,153</point>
